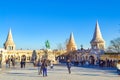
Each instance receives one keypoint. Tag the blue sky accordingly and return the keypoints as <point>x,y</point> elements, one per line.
<point>34,21</point>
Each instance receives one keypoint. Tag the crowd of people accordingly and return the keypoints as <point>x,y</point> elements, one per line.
<point>10,61</point>
<point>44,63</point>
<point>99,62</point>
<point>107,63</point>
<point>41,64</point>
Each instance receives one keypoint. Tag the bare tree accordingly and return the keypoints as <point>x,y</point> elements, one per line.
<point>115,45</point>
<point>60,46</point>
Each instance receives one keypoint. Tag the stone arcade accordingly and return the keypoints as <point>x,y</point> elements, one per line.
<point>97,45</point>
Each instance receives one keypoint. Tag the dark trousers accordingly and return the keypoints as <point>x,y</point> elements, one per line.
<point>69,70</point>
<point>23,64</point>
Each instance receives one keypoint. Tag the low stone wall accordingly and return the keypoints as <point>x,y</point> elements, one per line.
<point>110,56</point>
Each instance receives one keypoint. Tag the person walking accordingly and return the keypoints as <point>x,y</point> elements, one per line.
<point>13,61</point>
<point>39,67</point>
<point>68,63</point>
<point>24,62</point>
<point>44,67</point>
<point>7,63</point>
<point>51,64</point>
<point>21,63</point>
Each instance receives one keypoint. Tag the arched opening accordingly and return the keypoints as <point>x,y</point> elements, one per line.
<point>92,60</point>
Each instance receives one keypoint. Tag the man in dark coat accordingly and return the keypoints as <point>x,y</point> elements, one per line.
<point>68,63</point>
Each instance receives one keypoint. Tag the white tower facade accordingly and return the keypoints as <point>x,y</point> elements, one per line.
<point>9,44</point>
<point>97,41</point>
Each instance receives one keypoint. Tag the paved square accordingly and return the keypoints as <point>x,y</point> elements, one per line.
<point>58,73</point>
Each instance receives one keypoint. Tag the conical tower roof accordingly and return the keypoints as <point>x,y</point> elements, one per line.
<point>71,40</point>
<point>97,37</point>
<point>71,46</point>
<point>9,40</point>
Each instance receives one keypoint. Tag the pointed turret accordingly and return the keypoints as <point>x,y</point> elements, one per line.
<point>71,43</point>
<point>97,41</point>
<point>9,44</point>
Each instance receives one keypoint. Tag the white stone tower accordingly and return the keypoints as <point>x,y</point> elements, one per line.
<point>9,44</point>
<point>71,46</point>
<point>97,42</point>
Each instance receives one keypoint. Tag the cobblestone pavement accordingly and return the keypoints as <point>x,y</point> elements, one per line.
<point>58,73</point>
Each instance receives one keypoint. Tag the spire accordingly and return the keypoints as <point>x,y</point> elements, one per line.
<point>9,37</point>
<point>71,40</point>
<point>71,43</point>
<point>97,41</point>
<point>9,41</point>
<point>97,34</point>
